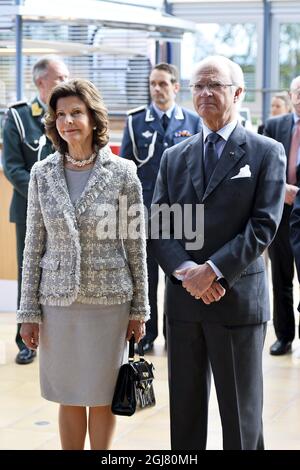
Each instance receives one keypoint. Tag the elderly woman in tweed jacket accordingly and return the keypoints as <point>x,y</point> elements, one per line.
<point>84,284</point>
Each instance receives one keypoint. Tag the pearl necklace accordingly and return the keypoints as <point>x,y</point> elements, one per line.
<point>81,163</point>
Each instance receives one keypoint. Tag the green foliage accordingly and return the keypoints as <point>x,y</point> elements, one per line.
<point>289,53</point>
<point>238,42</point>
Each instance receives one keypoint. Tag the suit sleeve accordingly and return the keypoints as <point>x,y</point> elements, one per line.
<point>268,130</point>
<point>167,250</point>
<point>295,232</point>
<point>126,150</point>
<point>13,157</point>
<point>235,256</point>
<point>30,310</point>
<point>135,246</point>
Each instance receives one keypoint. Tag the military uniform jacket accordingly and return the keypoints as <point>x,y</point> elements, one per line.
<point>145,140</point>
<point>24,143</point>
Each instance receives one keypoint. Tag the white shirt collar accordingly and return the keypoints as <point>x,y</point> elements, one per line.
<point>225,132</point>
<point>160,113</point>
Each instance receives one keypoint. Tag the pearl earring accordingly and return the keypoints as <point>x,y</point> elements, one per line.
<point>94,128</point>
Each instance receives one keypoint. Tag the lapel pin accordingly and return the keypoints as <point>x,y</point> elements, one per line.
<point>231,154</point>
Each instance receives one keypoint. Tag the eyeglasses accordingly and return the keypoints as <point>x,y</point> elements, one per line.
<point>212,87</point>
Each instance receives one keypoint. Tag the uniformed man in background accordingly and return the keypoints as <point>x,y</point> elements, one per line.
<point>149,131</point>
<point>24,142</point>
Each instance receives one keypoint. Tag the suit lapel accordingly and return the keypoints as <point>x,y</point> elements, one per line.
<point>194,159</point>
<point>231,154</point>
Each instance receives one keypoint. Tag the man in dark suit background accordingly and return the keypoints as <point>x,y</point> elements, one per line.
<point>285,129</point>
<point>149,131</point>
<point>216,317</point>
<point>295,234</point>
<point>24,142</point>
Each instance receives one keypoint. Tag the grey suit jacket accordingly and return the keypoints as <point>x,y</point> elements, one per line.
<point>241,216</point>
<point>68,255</point>
<point>280,129</point>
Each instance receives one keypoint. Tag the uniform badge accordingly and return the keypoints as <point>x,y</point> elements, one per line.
<point>147,134</point>
<point>184,133</point>
<point>36,110</point>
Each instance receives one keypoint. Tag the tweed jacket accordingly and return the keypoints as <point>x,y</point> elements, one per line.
<point>70,253</point>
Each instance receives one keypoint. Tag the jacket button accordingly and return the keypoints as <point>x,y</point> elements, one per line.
<point>166,144</point>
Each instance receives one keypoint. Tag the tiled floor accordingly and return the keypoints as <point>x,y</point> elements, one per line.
<point>29,422</point>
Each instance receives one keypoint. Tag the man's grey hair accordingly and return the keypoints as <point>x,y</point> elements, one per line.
<point>40,68</point>
<point>295,83</point>
<point>219,61</point>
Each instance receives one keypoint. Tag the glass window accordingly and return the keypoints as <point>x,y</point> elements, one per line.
<point>235,41</point>
<point>289,53</point>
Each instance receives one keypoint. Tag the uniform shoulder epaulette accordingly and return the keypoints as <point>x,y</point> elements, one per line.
<point>136,110</point>
<point>18,103</point>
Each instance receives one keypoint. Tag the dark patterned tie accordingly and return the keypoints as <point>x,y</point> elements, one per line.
<point>210,156</point>
<point>165,121</point>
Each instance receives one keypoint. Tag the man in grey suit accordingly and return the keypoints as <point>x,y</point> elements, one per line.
<point>216,293</point>
<point>285,129</point>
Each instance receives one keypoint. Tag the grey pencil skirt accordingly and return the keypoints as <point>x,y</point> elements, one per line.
<point>81,350</point>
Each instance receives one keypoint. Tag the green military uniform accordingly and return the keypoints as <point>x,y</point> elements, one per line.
<point>24,142</point>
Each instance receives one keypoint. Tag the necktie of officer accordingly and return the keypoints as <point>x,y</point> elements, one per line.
<point>210,156</point>
<point>293,155</point>
<point>165,121</point>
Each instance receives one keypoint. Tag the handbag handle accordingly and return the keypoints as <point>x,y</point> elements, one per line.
<point>131,350</point>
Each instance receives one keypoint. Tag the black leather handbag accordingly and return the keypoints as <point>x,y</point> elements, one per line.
<point>134,387</point>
